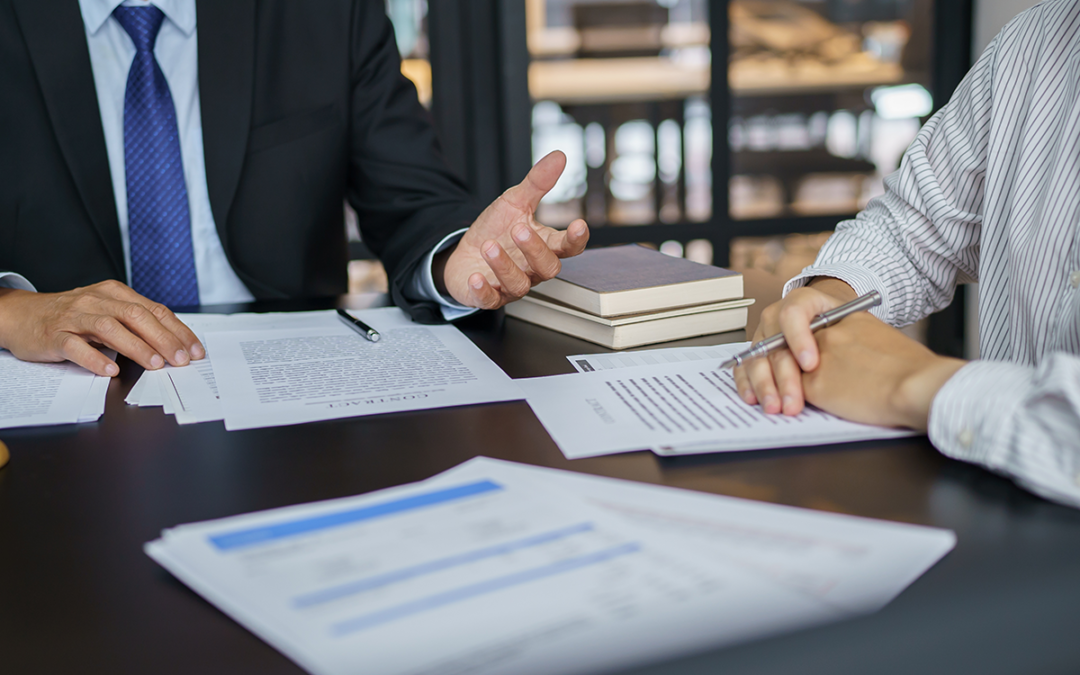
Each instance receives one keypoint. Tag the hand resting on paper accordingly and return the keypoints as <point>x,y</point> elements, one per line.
<point>55,327</point>
<point>861,369</point>
<point>506,251</point>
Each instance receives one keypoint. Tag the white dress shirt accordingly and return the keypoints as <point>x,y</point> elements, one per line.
<point>990,191</point>
<point>176,50</point>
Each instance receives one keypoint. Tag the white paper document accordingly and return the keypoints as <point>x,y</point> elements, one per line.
<point>191,393</point>
<point>295,375</point>
<point>40,394</point>
<point>672,409</point>
<point>587,363</point>
<point>853,564</point>
<point>494,568</point>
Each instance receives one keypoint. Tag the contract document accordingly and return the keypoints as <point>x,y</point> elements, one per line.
<point>673,408</point>
<point>40,394</point>
<point>496,568</point>
<point>586,363</point>
<point>190,392</point>
<point>293,375</point>
<point>488,574</point>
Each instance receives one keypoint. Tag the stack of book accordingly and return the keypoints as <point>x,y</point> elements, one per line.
<point>628,296</point>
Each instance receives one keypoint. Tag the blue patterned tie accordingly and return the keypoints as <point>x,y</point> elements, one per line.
<point>159,222</point>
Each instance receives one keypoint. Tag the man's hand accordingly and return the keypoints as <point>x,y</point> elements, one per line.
<point>776,381</point>
<point>870,372</point>
<point>506,252</point>
<point>61,326</point>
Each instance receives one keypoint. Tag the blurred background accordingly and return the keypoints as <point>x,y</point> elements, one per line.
<point>748,165</point>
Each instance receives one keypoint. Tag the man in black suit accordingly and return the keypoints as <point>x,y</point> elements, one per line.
<point>292,108</point>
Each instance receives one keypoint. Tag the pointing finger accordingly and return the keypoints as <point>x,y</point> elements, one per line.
<point>541,178</point>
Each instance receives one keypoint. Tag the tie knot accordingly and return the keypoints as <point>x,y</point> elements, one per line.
<point>141,23</point>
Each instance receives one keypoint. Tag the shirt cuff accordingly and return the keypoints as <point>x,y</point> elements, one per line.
<point>859,278</point>
<point>422,284</point>
<point>967,416</point>
<point>12,280</point>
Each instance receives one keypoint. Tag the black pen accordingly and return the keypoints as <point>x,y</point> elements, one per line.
<point>359,326</point>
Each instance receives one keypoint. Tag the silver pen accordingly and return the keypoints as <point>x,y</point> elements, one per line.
<point>823,320</point>
<point>359,326</point>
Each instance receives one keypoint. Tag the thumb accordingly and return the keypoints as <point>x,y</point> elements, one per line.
<point>527,194</point>
<point>798,311</point>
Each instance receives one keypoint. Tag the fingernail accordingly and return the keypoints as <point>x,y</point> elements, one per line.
<point>477,284</point>
<point>156,361</point>
<point>181,356</point>
<point>112,370</point>
<point>769,403</point>
<point>788,402</point>
<point>522,234</point>
<point>197,351</point>
<point>492,251</point>
<point>804,359</point>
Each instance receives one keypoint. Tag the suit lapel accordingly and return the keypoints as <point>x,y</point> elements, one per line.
<point>226,80</point>
<point>56,38</point>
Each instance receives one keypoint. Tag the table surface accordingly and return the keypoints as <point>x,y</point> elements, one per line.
<point>77,593</point>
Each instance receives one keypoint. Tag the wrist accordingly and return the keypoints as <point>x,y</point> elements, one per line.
<point>915,392</point>
<point>7,319</point>
<point>438,269</point>
<point>834,287</point>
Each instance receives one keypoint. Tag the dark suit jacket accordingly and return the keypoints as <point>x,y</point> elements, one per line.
<point>303,107</point>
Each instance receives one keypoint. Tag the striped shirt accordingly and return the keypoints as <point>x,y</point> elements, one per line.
<point>989,191</point>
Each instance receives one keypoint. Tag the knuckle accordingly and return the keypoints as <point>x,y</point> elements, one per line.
<point>159,310</point>
<point>133,312</point>
<point>105,325</point>
<point>789,312</point>
<point>67,343</point>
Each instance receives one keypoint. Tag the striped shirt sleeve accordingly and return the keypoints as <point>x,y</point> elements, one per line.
<point>1020,421</point>
<point>918,240</point>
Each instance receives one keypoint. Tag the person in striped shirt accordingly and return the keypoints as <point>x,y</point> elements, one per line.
<point>989,191</point>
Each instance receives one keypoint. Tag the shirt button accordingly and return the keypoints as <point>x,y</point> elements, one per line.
<point>1074,279</point>
<point>966,438</point>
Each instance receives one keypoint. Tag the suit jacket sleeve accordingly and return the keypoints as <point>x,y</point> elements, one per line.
<point>405,195</point>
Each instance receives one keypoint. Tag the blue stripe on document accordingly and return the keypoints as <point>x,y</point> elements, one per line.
<point>259,535</point>
<point>404,574</point>
<point>360,623</point>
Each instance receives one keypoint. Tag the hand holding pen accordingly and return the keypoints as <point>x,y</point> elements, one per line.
<point>823,320</point>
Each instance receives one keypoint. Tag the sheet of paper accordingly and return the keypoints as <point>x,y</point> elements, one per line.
<point>587,363</point>
<point>39,394</point>
<point>146,392</point>
<point>485,574</point>
<point>191,392</point>
<point>294,375</point>
<point>133,397</point>
<point>94,405</point>
<point>854,564</point>
<point>672,408</point>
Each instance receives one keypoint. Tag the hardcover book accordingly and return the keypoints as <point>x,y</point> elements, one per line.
<point>632,330</point>
<point>633,279</point>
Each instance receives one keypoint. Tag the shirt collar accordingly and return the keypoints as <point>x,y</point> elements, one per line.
<point>180,12</point>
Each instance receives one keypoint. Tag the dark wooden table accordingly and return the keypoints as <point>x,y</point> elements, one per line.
<point>77,594</point>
